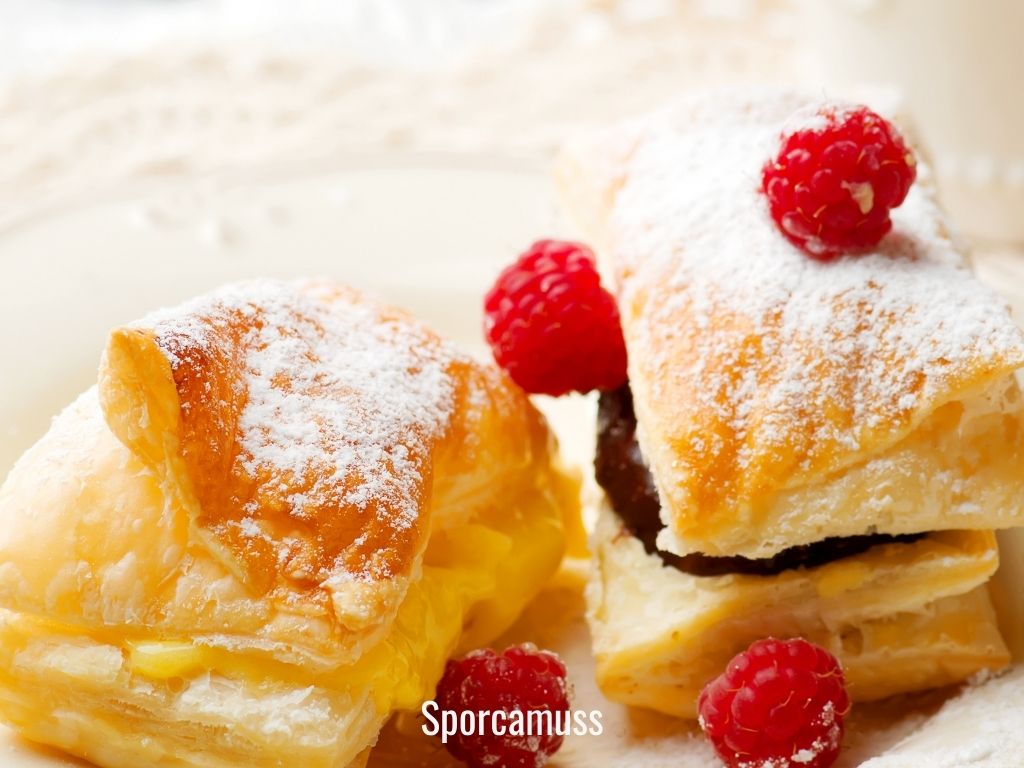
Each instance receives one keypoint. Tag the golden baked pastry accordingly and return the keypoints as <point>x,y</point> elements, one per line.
<point>781,400</point>
<point>823,448</point>
<point>281,510</point>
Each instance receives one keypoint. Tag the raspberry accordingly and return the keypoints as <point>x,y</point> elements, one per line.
<point>779,704</point>
<point>521,678</point>
<point>831,187</point>
<point>552,326</point>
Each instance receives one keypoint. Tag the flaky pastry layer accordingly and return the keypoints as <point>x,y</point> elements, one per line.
<point>960,469</point>
<point>900,617</point>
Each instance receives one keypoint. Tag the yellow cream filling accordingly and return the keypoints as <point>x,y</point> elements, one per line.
<point>476,579</point>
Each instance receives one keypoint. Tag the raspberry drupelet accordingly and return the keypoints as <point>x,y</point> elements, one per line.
<point>779,704</point>
<point>552,326</point>
<point>833,183</point>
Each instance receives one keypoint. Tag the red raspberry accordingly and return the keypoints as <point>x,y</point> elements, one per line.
<point>831,187</point>
<point>521,678</point>
<point>552,326</point>
<point>779,704</point>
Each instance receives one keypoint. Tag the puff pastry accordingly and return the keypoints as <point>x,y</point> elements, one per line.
<point>780,400</point>
<point>901,617</point>
<point>279,512</point>
<point>785,407</point>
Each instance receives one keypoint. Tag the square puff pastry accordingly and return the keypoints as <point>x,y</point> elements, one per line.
<point>780,400</point>
<point>281,510</point>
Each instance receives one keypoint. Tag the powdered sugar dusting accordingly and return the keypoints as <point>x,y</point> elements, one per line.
<point>979,728</point>
<point>791,364</point>
<point>337,402</point>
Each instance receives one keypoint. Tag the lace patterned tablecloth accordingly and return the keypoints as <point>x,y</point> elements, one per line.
<point>193,106</point>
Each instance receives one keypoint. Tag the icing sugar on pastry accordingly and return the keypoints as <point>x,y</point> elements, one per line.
<point>249,522</point>
<point>775,360</point>
<point>321,408</point>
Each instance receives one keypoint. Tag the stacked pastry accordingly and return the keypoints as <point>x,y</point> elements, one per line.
<point>805,448</point>
<point>281,510</point>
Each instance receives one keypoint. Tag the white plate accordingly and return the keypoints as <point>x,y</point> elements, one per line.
<point>428,234</point>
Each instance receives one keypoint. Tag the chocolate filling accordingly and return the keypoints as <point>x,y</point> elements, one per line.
<point>622,472</point>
